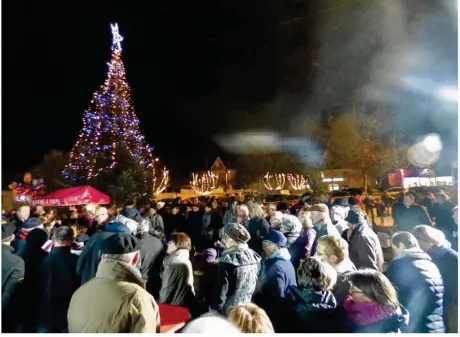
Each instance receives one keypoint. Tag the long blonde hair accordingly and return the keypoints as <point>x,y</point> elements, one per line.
<point>250,318</point>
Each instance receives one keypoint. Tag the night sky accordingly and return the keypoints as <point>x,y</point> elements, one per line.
<point>202,68</point>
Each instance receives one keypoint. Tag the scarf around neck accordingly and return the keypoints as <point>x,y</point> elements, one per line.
<point>365,313</point>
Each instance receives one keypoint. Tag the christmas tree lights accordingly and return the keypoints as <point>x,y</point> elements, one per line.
<point>110,124</point>
<point>274,182</point>
<point>204,184</point>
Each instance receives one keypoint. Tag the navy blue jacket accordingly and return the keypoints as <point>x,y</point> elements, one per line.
<point>91,255</point>
<point>420,289</point>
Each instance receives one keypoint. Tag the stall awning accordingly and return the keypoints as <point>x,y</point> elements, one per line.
<point>78,195</point>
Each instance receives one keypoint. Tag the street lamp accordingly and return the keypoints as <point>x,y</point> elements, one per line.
<point>157,159</point>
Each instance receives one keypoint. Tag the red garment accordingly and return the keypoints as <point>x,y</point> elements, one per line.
<point>365,313</point>
<point>172,317</point>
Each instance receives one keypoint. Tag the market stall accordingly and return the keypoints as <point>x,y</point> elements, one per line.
<point>78,195</point>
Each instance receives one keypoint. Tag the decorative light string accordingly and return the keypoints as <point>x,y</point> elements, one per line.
<point>274,182</point>
<point>109,122</point>
<point>204,184</point>
<point>298,181</point>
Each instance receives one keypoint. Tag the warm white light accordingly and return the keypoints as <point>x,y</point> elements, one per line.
<point>448,93</point>
<point>432,143</point>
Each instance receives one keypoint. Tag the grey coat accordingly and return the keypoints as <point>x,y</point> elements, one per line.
<point>236,277</point>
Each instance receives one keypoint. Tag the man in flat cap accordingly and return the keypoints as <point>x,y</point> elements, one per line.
<point>12,273</point>
<point>115,301</point>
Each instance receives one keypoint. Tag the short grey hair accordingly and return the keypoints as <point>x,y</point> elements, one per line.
<point>244,209</point>
<point>128,258</point>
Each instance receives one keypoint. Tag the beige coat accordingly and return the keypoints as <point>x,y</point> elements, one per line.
<point>115,301</point>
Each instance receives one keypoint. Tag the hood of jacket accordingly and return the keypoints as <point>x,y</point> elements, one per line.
<point>282,254</point>
<point>240,255</point>
<point>116,227</point>
<point>413,253</point>
<point>119,271</point>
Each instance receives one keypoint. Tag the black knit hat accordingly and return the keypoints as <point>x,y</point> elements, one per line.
<point>120,243</point>
<point>237,232</point>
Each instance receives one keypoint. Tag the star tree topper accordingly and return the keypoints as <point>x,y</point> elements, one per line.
<point>117,38</point>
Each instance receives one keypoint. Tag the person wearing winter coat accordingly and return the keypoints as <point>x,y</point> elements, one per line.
<point>419,284</point>
<point>230,212</point>
<point>130,211</point>
<point>194,225</point>
<point>237,272</point>
<point>322,224</point>
<point>364,245</point>
<point>115,300</point>
<point>334,250</point>
<point>372,307</point>
<point>278,275</point>
<point>177,220</point>
<point>177,276</point>
<point>442,212</point>
<point>307,304</point>
<point>91,255</point>
<point>12,274</point>
<point>32,285</point>
<point>410,215</point>
<point>156,220</point>
<point>60,281</point>
<point>151,259</point>
<point>258,228</point>
<point>20,242</point>
<point>275,219</point>
<point>205,266</point>
<point>433,242</point>
<point>301,249</point>
<point>291,228</point>
<point>339,212</point>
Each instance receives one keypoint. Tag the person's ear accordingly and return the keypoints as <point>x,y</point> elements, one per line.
<point>135,259</point>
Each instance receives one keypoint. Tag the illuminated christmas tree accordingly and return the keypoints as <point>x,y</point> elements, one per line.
<point>110,125</point>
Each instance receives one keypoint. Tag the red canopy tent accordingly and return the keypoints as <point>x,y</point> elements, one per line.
<point>78,195</point>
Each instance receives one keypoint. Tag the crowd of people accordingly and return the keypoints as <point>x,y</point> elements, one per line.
<point>317,266</point>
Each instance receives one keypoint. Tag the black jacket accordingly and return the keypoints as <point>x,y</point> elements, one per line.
<point>152,255</point>
<point>407,218</point>
<point>420,289</point>
<point>177,223</point>
<point>443,214</point>
<point>12,271</point>
<point>307,311</point>
<point>60,281</point>
<point>446,259</point>
<point>91,255</point>
<point>193,227</point>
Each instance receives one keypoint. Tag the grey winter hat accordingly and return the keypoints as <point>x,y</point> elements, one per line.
<point>237,232</point>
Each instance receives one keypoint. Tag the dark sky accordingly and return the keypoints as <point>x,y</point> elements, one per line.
<point>196,68</point>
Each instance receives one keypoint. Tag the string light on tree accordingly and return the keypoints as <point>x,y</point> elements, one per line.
<point>274,182</point>
<point>298,182</point>
<point>163,181</point>
<point>204,184</point>
<point>109,124</point>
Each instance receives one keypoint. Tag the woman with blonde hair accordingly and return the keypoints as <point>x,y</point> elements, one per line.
<point>250,318</point>
<point>334,250</point>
